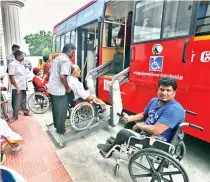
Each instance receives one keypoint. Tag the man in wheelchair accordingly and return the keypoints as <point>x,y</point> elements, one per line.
<point>161,116</point>
<point>78,88</point>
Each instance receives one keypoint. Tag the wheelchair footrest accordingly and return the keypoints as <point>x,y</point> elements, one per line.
<point>102,153</point>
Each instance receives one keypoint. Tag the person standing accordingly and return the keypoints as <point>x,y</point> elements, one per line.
<point>47,65</point>
<point>58,87</point>
<point>11,57</point>
<point>18,79</point>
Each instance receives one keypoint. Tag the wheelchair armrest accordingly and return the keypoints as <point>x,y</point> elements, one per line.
<point>144,140</point>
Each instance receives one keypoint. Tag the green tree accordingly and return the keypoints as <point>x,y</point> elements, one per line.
<point>39,43</point>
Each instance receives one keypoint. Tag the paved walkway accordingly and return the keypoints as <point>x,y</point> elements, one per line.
<point>37,160</point>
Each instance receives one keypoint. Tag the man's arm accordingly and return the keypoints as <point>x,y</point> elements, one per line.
<point>156,129</point>
<point>64,72</point>
<point>65,83</point>
<point>11,77</point>
<point>137,117</point>
<point>13,82</point>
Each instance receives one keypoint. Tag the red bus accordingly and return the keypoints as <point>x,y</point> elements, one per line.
<point>167,38</point>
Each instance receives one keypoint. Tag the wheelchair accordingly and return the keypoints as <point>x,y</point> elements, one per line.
<point>38,102</point>
<point>82,118</point>
<point>4,105</point>
<point>152,158</point>
<point>83,113</point>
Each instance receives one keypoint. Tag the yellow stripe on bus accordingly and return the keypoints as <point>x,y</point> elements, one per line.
<point>204,37</point>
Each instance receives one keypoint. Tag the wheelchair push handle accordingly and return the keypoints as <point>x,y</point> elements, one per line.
<point>191,112</point>
<point>196,126</point>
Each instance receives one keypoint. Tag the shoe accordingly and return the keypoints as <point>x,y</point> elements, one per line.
<point>15,149</point>
<point>105,147</point>
<point>26,114</point>
<point>13,120</point>
<point>67,131</point>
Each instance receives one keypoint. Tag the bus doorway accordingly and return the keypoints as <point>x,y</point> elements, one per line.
<point>87,48</point>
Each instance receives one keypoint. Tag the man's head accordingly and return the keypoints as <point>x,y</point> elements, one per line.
<point>15,47</point>
<point>69,50</point>
<point>75,71</point>
<point>166,89</point>
<point>47,58</point>
<point>36,71</point>
<point>19,55</point>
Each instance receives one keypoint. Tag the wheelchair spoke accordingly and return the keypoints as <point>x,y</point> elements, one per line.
<point>150,162</point>
<point>143,167</point>
<point>142,175</point>
<point>161,166</point>
<point>166,180</point>
<point>171,173</point>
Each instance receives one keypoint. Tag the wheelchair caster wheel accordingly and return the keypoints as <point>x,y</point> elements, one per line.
<point>116,170</point>
<point>6,117</point>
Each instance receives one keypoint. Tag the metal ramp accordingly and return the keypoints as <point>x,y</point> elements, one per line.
<point>108,118</point>
<point>99,123</point>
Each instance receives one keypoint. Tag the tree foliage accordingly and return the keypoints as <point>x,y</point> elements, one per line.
<point>39,43</point>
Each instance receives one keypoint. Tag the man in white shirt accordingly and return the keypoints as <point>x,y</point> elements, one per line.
<point>18,79</point>
<point>78,88</point>
<point>59,88</point>
<point>11,57</point>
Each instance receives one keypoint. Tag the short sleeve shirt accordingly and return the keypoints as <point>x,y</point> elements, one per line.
<point>171,114</point>
<point>18,70</point>
<point>10,58</point>
<point>77,88</point>
<point>60,66</point>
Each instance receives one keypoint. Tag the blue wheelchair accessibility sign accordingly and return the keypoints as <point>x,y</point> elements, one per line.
<point>156,63</point>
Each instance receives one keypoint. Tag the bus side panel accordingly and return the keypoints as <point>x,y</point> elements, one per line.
<point>199,88</point>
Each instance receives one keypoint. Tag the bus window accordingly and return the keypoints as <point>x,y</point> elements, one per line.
<point>73,37</point>
<point>177,18</point>
<point>62,42</point>
<point>203,18</point>
<point>148,20</point>
<point>67,40</point>
<point>58,46</point>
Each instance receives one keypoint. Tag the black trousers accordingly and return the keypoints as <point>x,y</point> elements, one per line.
<point>123,136</point>
<point>19,102</point>
<point>59,110</point>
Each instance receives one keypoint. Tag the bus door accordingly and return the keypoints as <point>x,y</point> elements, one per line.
<point>87,48</point>
<point>162,42</point>
<point>199,85</point>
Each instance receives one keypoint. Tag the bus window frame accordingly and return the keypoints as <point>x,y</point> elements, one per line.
<point>208,24</point>
<point>56,42</point>
<point>191,31</point>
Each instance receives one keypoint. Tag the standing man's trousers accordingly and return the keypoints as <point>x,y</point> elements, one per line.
<point>59,110</point>
<point>18,102</point>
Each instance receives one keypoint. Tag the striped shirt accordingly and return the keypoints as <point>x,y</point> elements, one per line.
<point>60,66</point>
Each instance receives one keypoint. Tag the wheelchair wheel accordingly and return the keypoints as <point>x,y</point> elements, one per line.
<point>155,165</point>
<point>38,103</point>
<point>82,116</point>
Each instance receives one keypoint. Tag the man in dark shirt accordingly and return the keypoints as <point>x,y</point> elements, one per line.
<point>161,116</point>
